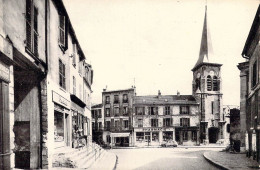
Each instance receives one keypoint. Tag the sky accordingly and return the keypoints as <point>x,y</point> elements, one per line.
<point>154,44</point>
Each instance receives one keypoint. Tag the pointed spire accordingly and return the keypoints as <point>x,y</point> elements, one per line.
<point>205,47</point>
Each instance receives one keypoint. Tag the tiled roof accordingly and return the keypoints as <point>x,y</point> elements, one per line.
<point>165,99</point>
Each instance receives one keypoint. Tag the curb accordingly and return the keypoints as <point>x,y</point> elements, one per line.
<point>215,163</point>
<point>116,163</point>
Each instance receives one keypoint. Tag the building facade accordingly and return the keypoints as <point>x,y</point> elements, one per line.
<point>40,57</point>
<point>97,115</point>
<point>159,118</point>
<point>249,91</point>
<point>207,89</point>
<point>118,106</point>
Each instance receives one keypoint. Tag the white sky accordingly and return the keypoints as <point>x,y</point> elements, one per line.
<point>157,42</point>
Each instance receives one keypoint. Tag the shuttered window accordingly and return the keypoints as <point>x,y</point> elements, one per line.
<point>215,83</point>
<point>62,77</point>
<point>209,83</point>
<point>62,30</point>
<point>74,85</point>
<point>31,28</point>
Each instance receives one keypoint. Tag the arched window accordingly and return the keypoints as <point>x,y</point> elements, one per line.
<point>197,83</point>
<point>215,83</point>
<point>209,83</point>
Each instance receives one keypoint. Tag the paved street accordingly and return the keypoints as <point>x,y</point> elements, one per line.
<point>163,158</point>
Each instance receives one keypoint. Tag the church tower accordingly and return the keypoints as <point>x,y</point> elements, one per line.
<point>207,90</point>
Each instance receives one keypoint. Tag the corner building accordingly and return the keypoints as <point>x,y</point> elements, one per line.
<point>118,106</point>
<point>158,118</point>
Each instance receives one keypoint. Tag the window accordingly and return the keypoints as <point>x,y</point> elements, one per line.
<point>125,124</point>
<point>116,99</point>
<point>31,28</point>
<point>62,76</point>
<point>99,125</point>
<point>116,123</point>
<point>185,122</point>
<point>99,113</point>
<point>167,110</point>
<point>125,98</point>
<point>209,83</point>
<point>74,85</point>
<point>154,122</point>
<point>139,136</point>
<point>212,107</point>
<point>139,110</point>
<point>184,109</point>
<point>215,84</point>
<point>62,37</point>
<point>107,125</point>
<point>80,67</point>
<point>92,114</point>
<point>140,122</point>
<point>194,135</point>
<point>228,128</point>
<point>167,122</point>
<point>185,135</point>
<point>108,139</point>
<point>197,81</point>
<point>155,136</point>
<point>107,99</point>
<point>93,125</point>
<point>116,111</point>
<point>254,74</point>
<point>107,112</point>
<point>74,55</point>
<point>153,111</point>
<point>125,110</point>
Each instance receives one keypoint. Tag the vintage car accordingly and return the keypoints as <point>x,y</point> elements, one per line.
<point>169,143</point>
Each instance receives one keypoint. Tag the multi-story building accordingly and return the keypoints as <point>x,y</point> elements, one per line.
<point>207,89</point>
<point>118,105</point>
<point>42,107</point>
<point>97,115</point>
<point>249,89</point>
<point>158,118</point>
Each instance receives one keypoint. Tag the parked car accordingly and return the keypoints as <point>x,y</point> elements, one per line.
<point>169,143</point>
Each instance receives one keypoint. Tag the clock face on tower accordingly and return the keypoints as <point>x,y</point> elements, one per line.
<point>198,75</point>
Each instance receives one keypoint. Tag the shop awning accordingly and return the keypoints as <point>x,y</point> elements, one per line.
<point>119,134</point>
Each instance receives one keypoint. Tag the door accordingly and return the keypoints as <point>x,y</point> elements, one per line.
<point>213,134</point>
<point>5,128</point>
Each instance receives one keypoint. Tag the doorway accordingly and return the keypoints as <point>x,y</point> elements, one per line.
<point>213,134</point>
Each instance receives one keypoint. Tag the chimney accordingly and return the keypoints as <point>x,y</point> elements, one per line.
<point>104,89</point>
<point>178,93</point>
<point>159,94</point>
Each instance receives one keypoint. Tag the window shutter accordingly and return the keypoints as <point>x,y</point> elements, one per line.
<point>29,24</point>
<point>64,74</point>
<point>35,33</point>
<point>62,30</point>
<point>181,122</point>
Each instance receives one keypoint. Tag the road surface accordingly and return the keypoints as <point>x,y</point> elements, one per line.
<point>163,159</point>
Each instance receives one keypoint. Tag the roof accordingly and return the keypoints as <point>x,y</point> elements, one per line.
<point>97,106</point>
<point>121,90</point>
<point>165,99</point>
<point>252,33</point>
<point>206,50</point>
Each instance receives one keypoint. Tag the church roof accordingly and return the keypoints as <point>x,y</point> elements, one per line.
<point>206,50</point>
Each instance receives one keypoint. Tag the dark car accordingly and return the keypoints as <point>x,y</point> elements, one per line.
<point>169,143</point>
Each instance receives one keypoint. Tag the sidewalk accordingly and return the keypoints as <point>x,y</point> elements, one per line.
<point>108,162</point>
<point>179,146</point>
<point>226,160</point>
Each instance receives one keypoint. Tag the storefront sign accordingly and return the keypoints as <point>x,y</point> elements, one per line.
<point>4,72</point>
<point>60,100</point>
<point>154,129</point>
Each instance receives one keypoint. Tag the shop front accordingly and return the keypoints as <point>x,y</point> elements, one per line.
<point>120,139</point>
<point>187,135</point>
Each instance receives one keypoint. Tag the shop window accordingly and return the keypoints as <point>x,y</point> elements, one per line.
<point>185,122</point>
<point>125,124</point>
<point>62,77</point>
<point>154,122</point>
<point>155,136</point>
<point>194,135</point>
<point>116,99</point>
<point>107,99</point>
<point>254,74</point>
<point>167,122</point>
<point>184,109</point>
<point>167,110</point>
<point>153,110</point>
<point>167,136</point>
<point>139,136</point>
<point>107,112</point>
<point>125,110</point>
<point>31,28</point>
<point>209,83</point>
<point>125,98</point>
<point>185,135</point>
<point>58,127</point>
<point>116,111</point>
<point>140,122</point>
<point>139,110</point>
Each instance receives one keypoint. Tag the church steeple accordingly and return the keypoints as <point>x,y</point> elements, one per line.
<point>206,51</point>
